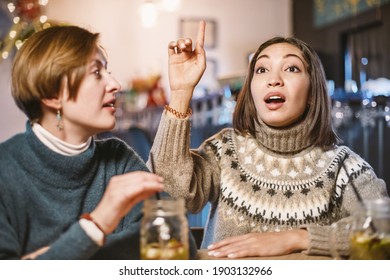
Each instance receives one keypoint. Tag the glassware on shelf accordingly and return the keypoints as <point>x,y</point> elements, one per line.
<point>367,113</point>
<point>341,114</point>
<point>227,107</point>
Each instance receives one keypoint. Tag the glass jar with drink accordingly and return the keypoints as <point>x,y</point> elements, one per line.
<point>370,237</point>
<point>164,230</point>
<point>368,233</point>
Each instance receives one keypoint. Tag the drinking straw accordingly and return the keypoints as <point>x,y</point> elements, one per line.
<point>153,170</point>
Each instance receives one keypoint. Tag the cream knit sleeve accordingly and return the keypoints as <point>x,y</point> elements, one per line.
<point>191,174</point>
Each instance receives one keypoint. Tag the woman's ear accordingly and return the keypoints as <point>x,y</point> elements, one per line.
<point>56,102</point>
<point>53,103</point>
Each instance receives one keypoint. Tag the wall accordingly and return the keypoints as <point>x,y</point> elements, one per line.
<point>241,26</point>
<point>12,120</point>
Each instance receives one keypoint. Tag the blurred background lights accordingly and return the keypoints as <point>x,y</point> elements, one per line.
<point>27,17</point>
<point>148,13</point>
<point>170,5</point>
<point>149,10</point>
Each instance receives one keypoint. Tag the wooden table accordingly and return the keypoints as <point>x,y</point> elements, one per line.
<point>202,255</point>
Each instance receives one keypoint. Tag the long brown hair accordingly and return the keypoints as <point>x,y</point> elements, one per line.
<point>45,60</point>
<point>319,112</point>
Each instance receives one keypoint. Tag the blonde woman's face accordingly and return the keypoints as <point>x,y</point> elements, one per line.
<point>93,110</point>
<point>280,85</point>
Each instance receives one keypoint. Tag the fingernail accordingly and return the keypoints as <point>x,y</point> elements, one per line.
<point>210,246</point>
<point>231,256</point>
<point>213,253</point>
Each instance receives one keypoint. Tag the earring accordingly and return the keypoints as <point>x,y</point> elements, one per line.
<point>59,119</point>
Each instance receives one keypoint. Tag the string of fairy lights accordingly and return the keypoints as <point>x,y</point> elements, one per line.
<point>27,17</point>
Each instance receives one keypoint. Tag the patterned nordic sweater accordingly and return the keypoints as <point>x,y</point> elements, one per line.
<point>252,188</point>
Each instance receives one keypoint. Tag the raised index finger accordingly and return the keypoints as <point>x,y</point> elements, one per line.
<point>201,33</point>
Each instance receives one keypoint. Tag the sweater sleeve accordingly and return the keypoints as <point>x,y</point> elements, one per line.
<point>74,244</point>
<point>191,174</point>
<point>9,245</point>
<point>369,187</point>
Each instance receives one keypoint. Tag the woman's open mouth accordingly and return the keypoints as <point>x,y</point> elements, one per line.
<point>112,105</point>
<point>275,99</point>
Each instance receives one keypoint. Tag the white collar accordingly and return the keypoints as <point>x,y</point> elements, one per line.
<point>56,144</point>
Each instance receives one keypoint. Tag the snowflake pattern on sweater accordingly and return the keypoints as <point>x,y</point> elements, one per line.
<point>264,191</point>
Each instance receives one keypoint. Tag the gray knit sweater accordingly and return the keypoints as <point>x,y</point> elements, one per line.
<point>276,181</point>
<point>43,193</point>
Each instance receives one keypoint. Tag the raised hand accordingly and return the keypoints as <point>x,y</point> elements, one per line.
<point>186,67</point>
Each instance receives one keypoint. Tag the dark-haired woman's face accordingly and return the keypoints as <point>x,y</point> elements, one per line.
<point>280,85</point>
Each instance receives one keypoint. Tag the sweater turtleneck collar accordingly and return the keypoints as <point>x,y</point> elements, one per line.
<point>292,139</point>
<point>65,171</point>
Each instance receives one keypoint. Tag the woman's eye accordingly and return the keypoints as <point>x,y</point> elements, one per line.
<point>293,69</point>
<point>97,74</point>
<point>260,70</point>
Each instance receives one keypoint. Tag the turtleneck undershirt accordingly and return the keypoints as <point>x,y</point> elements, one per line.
<point>57,145</point>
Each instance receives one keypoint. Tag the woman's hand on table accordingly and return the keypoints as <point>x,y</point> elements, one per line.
<point>263,244</point>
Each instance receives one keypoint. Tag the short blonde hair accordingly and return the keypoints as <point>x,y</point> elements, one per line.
<point>45,60</point>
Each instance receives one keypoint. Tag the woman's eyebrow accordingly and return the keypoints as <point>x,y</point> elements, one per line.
<point>99,63</point>
<point>294,55</point>
<point>262,56</point>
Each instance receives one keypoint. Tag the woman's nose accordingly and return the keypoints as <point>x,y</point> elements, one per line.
<point>275,80</point>
<point>112,85</point>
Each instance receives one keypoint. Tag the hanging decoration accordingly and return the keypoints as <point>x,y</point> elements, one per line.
<point>27,18</point>
<point>149,10</point>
